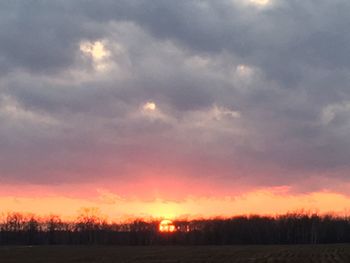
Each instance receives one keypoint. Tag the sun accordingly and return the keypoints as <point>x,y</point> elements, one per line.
<point>167,226</point>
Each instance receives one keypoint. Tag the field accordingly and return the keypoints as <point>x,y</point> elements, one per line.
<point>168,254</point>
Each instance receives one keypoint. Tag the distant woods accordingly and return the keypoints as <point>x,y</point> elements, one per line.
<point>294,228</point>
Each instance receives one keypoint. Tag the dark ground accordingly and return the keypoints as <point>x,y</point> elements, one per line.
<point>167,254</point>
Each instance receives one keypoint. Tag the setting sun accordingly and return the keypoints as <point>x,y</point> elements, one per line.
<point>167,226</point>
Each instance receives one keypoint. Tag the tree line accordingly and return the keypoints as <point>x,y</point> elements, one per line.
<point>292,228</point>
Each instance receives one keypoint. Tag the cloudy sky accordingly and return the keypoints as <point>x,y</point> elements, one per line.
<point>169,108</point>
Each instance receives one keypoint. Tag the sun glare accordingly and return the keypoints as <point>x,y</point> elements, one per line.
<point>167,226</point>
<point>150,106</point>
<point>260,2</point>
<point>96,49</point>
<point>165,209</point>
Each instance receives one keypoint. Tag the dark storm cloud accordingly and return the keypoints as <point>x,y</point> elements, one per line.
<point>241,91</point>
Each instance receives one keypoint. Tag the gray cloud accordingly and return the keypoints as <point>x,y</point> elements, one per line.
<point>243,93</point>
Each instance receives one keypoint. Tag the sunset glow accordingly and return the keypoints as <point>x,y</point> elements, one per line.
<point>113,207</point>
<point>174,109</point>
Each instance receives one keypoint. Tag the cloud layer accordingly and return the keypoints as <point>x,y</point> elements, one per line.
<point>237,94</point>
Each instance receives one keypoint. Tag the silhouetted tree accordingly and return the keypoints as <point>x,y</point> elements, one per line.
<point>91,228</point>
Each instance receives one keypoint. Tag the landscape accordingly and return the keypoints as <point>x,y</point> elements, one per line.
<point>175,131</point>
<point>176,254</point>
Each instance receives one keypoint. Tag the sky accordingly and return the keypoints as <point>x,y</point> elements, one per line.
<point>163,108</point>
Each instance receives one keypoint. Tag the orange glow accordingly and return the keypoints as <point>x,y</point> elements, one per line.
<point>166,226</point>
<point>118,206</point>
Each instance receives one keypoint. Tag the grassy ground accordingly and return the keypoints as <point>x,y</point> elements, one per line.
<point>109,254</point>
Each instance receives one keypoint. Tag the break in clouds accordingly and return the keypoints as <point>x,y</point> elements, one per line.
<point>235,92</point>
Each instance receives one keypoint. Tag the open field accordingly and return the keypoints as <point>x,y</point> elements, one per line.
<point>109,254</point>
